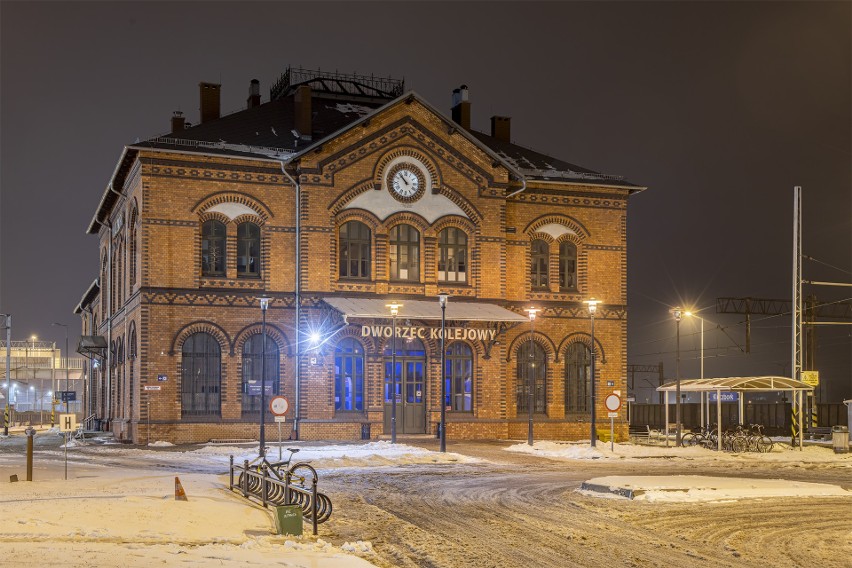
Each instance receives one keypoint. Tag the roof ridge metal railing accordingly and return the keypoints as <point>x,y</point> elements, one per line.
<point>221,145</point>
<point>569,174</point>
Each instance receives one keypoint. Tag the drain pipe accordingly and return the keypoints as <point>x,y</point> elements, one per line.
<point>108,383</point>
<point>297,290</point>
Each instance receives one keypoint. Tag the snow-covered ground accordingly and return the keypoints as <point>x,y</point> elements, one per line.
<point>118,506</point>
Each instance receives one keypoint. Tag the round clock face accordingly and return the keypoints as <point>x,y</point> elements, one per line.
<point>405,183</point>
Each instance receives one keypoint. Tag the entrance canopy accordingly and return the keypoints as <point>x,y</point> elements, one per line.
<point>420,309</point>
<point>741,384</point>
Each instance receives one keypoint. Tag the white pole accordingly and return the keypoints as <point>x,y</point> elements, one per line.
<point>667,419</point>
<point>801,418</point>
<point>611,434</point>
<point>719,419</point>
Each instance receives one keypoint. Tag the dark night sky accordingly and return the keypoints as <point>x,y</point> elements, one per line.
<point>719,108</point>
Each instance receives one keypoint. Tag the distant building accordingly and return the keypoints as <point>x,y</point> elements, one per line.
<point>396,202</point>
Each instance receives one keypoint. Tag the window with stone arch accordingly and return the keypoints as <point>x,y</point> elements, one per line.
<point>134,224</point>
<point>349,376</point>
<point>452,255</point>
<point>355,250</point>
<point>578,384</point>
<point>253,372</point>
<point>131,378</point>
<point>567,266</point>
<point>201,376</point>
<point>539,264</point>
<point>459,377</point>
<point>213,234</point>
<point>532,374</point>
<point>248,250</point>
<point>405,253</point>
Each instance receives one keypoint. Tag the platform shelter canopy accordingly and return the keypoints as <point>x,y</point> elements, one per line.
<point>423,310</point>
<point>741,384</point>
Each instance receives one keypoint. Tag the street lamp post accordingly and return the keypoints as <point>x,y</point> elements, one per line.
<point>678,314</point>
<point>531,376</point>
<point>8,318</point>
<point>66,362</point>
<point>264,304</point>
<point>394,309</point>
<point>442,298</point>
<point>701,358</point>
<point>593,307</point>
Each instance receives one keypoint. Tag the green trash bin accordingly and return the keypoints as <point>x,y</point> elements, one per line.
<point>288,519</point>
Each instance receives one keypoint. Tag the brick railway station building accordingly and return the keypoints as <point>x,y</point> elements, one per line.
<point>341,195</point>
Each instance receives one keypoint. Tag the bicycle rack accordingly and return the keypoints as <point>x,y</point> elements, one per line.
<point>268,489</point>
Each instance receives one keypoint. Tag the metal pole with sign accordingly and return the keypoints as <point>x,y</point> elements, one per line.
<point>67,424</point>
<point>278,406</point>
<point>613,405</point>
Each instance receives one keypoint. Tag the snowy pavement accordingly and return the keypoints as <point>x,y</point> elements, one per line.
<point>118,507</point>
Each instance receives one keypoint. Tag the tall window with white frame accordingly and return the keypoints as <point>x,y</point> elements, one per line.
<point>349,376</point>
<point>405,253</point>
<point>567,267</point>
<point>248,250</point>
<point>252,369</point>
<point>213,234</point>
<point>452,255</point>
<point>354,250</point>
<point>578,361</point>
<point>539,264</point>
<point>459,377</point>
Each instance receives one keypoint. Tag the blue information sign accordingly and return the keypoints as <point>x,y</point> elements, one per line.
<point>726,397</point>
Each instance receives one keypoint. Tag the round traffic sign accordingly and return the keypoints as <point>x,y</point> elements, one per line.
<point>613,402</point>
<point>278,405</point>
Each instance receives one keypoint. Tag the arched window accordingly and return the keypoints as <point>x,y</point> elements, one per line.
<point>102,286</point>
<point>354,250</point>
<point>405,253</point>
<point>118,391</point>
<point>133,248</point>
<point>578,386</point>
<point>459,371</point>
<point>213,248</point>
<point>201,376</point>
<point>253,372</point>
<point>131,378</point>
<point>452,255</point>
<point>532,371</point>
<point>248,250</point>
<point>349,376</point>
<point>568,266</point>
<point>540,257</point>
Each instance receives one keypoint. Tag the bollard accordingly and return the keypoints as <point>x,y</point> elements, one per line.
<point>30,432</point>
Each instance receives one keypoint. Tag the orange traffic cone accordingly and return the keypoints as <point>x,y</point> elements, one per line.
<point>180,494</point>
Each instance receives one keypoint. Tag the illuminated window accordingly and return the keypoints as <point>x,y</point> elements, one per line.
<point>349,376</point>
<point>459,388</point>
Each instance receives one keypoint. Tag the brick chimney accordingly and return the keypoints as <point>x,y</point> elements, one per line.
<point>501,128</point>
<point>178,121</point>
<point>461,107</point>
<point>209,101</point>
<point>302,108</point>
<point>254,94</point>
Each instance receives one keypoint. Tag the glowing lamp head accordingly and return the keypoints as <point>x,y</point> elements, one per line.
<point>264,303</point>
<point>314,337</point>
<point>677,313</point>
<point>394,308</point>
<point>592,305</point>
<point>532,312</point>
<point>442,299</point>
